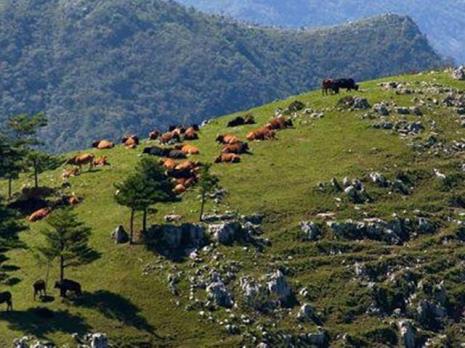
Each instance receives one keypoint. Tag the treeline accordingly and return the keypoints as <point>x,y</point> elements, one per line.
<point>103,68</point>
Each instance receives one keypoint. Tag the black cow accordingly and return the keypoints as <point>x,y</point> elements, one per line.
<point>176,154</point>
<point>39,288</point>
<point>348,84</point>
<point>68,285</point>
<point>6,297</point>
<point>156,151</point>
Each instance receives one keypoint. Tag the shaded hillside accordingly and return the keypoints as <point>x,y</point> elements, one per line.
<point>442,21</point>
<point>102,68</point>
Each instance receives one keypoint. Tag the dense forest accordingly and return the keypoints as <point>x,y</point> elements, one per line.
<point>103,68</point>
<point>438,19</point>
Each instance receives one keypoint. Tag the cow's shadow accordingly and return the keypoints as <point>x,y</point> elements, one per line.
<point>116,307</point>
<point>32,322</point>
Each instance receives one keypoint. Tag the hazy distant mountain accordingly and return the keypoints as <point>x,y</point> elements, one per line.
<point>106,67</point>
<point>442,20</point>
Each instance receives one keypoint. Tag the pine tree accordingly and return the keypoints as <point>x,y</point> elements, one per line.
<point>147,187</point>
<point>11,162</point>
<point>66,240</point>
<point>207,183</point>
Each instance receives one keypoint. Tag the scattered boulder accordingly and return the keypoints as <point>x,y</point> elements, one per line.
<point>381,109</point>
<point>185,236</point>
<point>278,286</point>
<point>379,179</point>
<point>172,218</point>
<point>310,230</point>
<point>407,333</point>
<point>459,73</point>
<point>226,233</point>
<point>97,340</point>
<point>306,313</point>
<point>360,104</point>
<point>218,293</point>
<point>119,235</point>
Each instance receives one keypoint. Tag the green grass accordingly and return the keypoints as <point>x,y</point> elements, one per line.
<point>278,179</point>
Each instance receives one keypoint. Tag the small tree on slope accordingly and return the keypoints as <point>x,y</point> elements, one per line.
<point>207,183</point>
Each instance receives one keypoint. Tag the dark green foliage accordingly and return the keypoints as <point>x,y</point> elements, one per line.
<point>148,186</point>
<point>67,240</point>
<point>438,19</point>
<point>101,69</point>
<point>207,183</point>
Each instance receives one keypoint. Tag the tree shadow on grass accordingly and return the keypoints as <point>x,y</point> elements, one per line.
<point>116,307</point>
<point>34,322</point>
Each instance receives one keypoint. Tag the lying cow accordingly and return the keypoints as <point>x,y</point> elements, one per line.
<point>157,151</point>
<point>39,215</point>
<point>40,288</point>
<point>227,139</point>
<point>228,158</point>
<point>169,138</point>
<point>190,134</point>
<point>237,148</point>
<point>68,173</point>
<point>168,164</point>
<point>73,200</point>
<point>179,189</point>
<point>101,161</point>
<point>189,149</point>
<point>279,123</point>
<point>68,285</point>
<point>103,144</point>
<point>81,160</point>
<point>240,121</point>
<point>130,141</point>
<point>176,154</point>
<point>154,135</point>
<point>261,134</point>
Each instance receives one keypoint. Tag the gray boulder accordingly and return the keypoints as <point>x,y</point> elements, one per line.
<point>360,104</point>
<point>310,230</point>
<point>119,235</point>
<point>278,286</point>
<point>319,339</point>
<point>306,313</point>
<point>407,333</point>
<point>98,340</point>
<point>381,109</point>
<point>226,233</point>
<point>219,294</point>
<point>379,179</point>
<point>459,73</point>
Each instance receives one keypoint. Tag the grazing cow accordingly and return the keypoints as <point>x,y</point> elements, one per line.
<point>348,84</point>
<point>154,135</point>
<point>39,215</point>
<point>261,134</point>
<point>176,154</point>
<point>67,173</point>
<point>279,123</point>
<point>103,144</point>
<point>326,86</point>
<point>179,189</point>
<point>6,297</point>
<point>40,288</point>
<point>81,160</point>
<point>227,139</point>
<point>130,141</point>
<point>168,164</point>
<point>101,161</point>
<point>191,134</point>
<point>68,285</point>
<point>228,158</point>
<point>189,149</point>
<point>237,148</point>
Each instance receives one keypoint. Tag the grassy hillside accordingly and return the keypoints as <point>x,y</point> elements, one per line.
<point>126,289</point>
<point>102,68</point>
<point>437,19</point>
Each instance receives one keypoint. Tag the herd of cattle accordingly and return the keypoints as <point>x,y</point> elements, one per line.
<point>173,153</point>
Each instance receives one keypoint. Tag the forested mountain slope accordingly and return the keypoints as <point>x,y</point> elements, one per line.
<point>102,68</point>
<point>442,21</point>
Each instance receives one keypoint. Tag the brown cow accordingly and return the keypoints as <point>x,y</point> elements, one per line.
<point>154,135</point>
<point>67,173</point>
<point>130,141</point>
<point>228,158</point>
<point>237,148</point>
<point>39,215</point>
<point>190,149</point>
<point>186,165</point>
<point>101,161</point>
<point>227,139</point>
<point>169,137</point>
<point>326,86</point>
<point>81,160</point>
<point>73,200</point>
<point>103,144</point>
<point>179,189</point>
<point>261,134</point>
<point>279,123</point>
<point>191,134</point>
<point>168,164</point>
